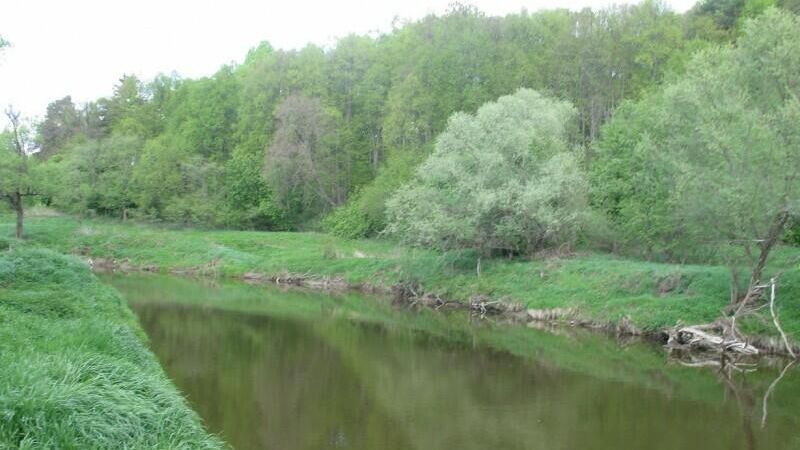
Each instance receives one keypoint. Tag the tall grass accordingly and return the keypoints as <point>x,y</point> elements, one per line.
<point>74,369</point>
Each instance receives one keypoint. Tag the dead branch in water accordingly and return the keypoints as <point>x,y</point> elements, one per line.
<point>744,400</point>
<point>769,392</point>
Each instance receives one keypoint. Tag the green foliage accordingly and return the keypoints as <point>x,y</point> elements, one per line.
<point>711,160</point>
<point>350,221</point>
<point>632,189</point>
<point>74,365</point>
<point>385,100</point>
<point>61,123</point>
<point>248,196</point>
<point>725,13</point>
<point>128,110</point>
<point>304,165</point>
<point>790,5</point>
<point>95,176</point>
<point>21,176</point>
<point>793,233</point>
<point>503,179</point>
<point>364,215</point>
<point>202,115</point>
<point>753,8</point>
<point>18,172</point>
<point>731,15</point>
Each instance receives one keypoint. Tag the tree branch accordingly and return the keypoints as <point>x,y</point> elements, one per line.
<point>775,319</point>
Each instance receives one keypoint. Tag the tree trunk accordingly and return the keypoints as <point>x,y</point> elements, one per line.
<point>764,247</point>
<point>16,202</point>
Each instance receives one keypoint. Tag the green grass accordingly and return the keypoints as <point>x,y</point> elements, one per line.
<point>75,372</point>
<point>602,287</point>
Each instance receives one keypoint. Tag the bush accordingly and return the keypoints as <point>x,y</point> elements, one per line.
<point>793,234</point>
<point>364,215</point>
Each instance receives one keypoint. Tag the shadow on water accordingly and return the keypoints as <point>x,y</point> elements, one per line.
<point>272,369</point>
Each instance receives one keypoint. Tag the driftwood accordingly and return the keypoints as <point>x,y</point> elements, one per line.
<point>484,306</point>
<point>102,265</point>
<point>411,295</point>
<point>300,280</point>
<point>552,314</point>
<point>699,338</point>
<point>724,335</point>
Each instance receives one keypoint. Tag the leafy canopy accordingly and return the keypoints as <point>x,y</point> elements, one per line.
<point>714,158</point>
<point>502,179</point>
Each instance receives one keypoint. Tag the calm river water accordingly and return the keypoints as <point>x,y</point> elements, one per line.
<point>287,370</point>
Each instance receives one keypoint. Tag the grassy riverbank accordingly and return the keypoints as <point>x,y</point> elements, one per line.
<point>74,369</point>
<point>602,287</point>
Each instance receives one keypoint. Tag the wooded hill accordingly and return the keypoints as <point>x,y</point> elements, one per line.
<point>284,138</point>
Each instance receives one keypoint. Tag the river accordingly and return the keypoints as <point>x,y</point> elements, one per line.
<point>267,368</point>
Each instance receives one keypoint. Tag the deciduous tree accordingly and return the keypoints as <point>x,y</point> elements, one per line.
<point>304,162</point>
<point>503,179</point>
<point>18,174</point>
<point>62,121</point>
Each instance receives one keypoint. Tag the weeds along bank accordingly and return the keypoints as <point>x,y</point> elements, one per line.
<point>604,288</point>
<point>74,368</point>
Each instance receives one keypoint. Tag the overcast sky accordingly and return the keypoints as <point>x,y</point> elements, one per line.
<point>82,47</point>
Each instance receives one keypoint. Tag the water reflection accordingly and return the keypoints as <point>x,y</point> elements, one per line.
<point>325,382</point>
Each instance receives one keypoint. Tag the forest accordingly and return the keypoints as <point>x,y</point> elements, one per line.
<point>320,138</point>
<point>632,130</point>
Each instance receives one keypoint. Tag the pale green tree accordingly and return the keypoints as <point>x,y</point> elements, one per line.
<point>504,179</point>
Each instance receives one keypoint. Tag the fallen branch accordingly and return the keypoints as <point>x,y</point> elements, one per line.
<point>775,319</point>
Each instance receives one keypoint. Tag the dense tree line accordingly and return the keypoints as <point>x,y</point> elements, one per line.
<point>500,134</point>
<point>287,138</point>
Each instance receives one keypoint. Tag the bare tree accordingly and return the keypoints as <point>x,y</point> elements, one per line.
<point>303,161</point>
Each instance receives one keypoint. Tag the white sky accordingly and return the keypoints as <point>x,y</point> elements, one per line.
<point>82,47</point>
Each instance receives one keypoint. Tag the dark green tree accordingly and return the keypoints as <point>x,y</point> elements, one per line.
<point>62,121</point>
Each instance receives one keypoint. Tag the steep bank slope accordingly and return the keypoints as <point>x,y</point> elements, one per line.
<point>74,369</point>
